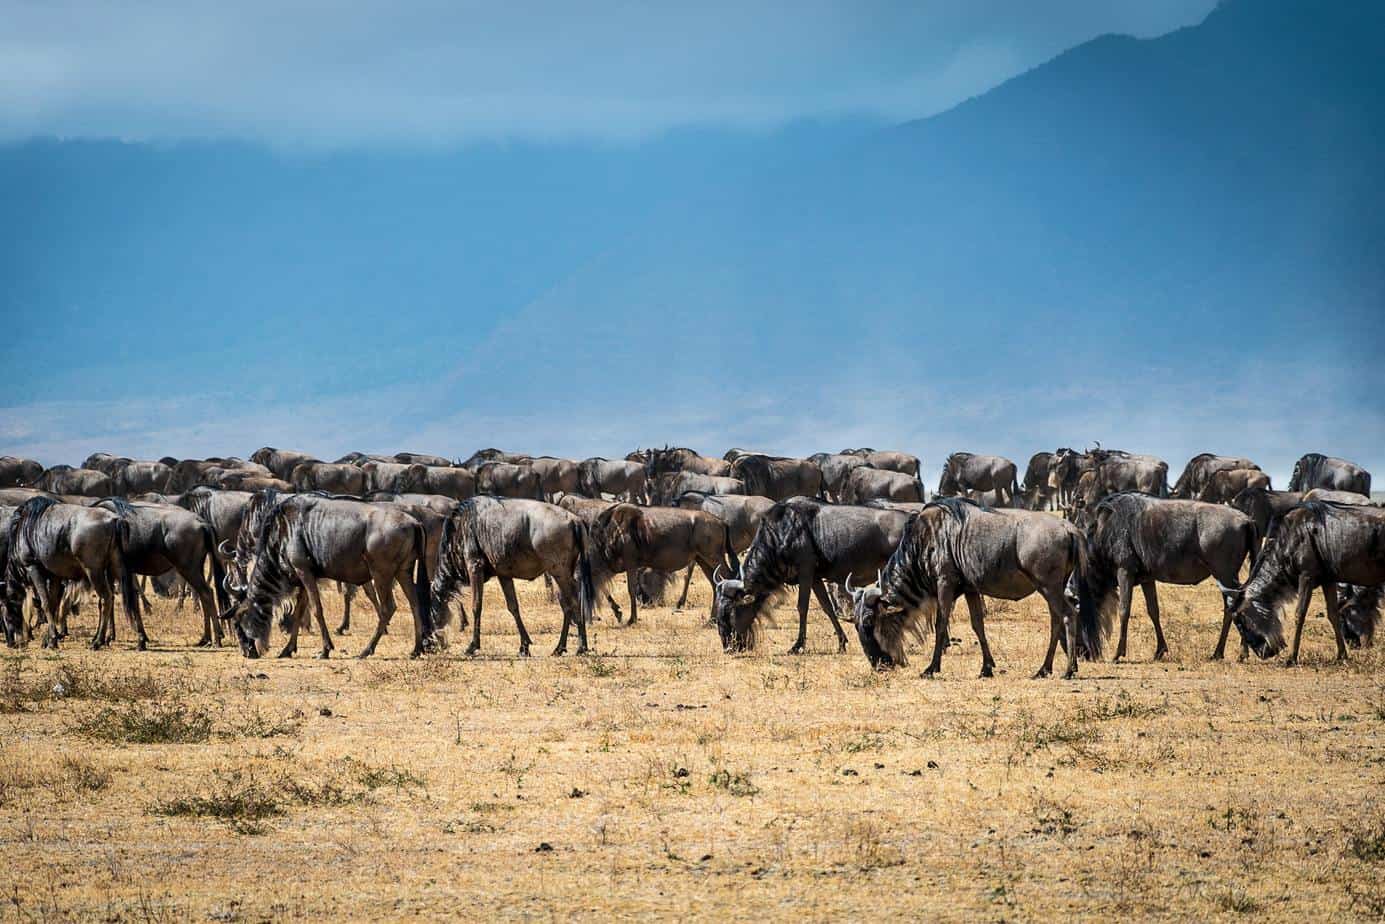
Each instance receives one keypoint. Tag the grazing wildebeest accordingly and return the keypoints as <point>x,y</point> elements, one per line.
<point>281,462</point>
<point>507,479</point>
<point>836,467</point>
<point>777,478</point>
<point>1138,540</point>
<point>1223,486</point>
<point>627,538</point>
<point>482,456</point>
<point>361,458</point>
<point>888,460</point>
<point>331,477</point>
<point>556,476</point>
<point>803,541</point>
<point>1359,607</point>
<point>304,538</point>
<point>384,476</point>
<point>52,542</point>
<point>84,482</point>
<point>598,477</point>
<point>680,459</point>
<point>966,472</point>
<point>1036,490</point>
<point>508,539</point>
<point>1316,470</point>
<point>456,483</point>
<point>1317,544</point>
<point>1199,471</point>
<point>164,538</point>
<point>17,473</point>
<point>672,485</point>
<point>868,484</point>
<point>956,548</point>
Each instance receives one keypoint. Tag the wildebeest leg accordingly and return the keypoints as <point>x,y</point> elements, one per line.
<point>687,581</point>
<point>1329,595</point>
<point>423,627</point>
<point>297,616</point>
<point>1063,617</point>
<point>1161,647</point>
<point>567,598</point>
<point>829,606</point>
<point>383,600</point>
<point>977,609</point>
<point>48,593</point>
<point>1046,669</point>
<point>348,593</point>
<point>615,608</point>
<point>710,572</point>
<point>1124,584</point>
<point>947,596</point>
<point>211,624</point>
<point>477,586</point>
<point>632,587</point>
<point>315,600</point>
<point>1305,596</point>
<point>1226,616</point>
<point>507,587</point>
<point>805,593</point>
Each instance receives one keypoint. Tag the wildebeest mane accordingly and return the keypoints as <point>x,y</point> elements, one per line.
<point>1306,470</point>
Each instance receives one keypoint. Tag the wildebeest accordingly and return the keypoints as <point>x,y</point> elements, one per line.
<point>281,462</point>
<point>1201,468</point>
<point>1036,491</point>
<point>1138,540</point>
<point>955,548</point>
<point>888,460</point>
<point>967,473</point>
<point>1339,497</point>
<point>361,458</point>
<point>164,538</point>
<point>456,483</point>
<point>236,480</point>
<point>627,538</point>
<point>224,511</point>
<point>1223,486</point>
<point>868,484</point>
<point>304,538</point>
<point>422,458</point>
<point>556,476</point>
<point>1065,469</point>
<point>1359,607</point>
<point>836,467</point>
<point>598,477</point>
<point>803,541</point>
<point>680,459</point>
<point>482,456</point>
<point>1265,506</point>
<point>52,542</point>
<point>668,487</point>
<point>1317,544</point>
<point>1316,470</point>
<point>225,471</point>
<point>383,476</point>
<point>85,482</point>
<point>332,477</point>
<point>739,513</point>
<point>1118,471</point>
<point>778,478</point>
<point>16,472</point>
<point>506,479</point>
<point>507,539</point>
<point>431,511</point>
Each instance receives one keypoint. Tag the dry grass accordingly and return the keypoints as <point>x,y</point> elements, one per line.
<point>663,777</point>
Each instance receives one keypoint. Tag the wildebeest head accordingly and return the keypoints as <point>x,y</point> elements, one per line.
<point>251,622</point>
<point>1257,619</point>
<point>735,608</point>
<point>879,622</point>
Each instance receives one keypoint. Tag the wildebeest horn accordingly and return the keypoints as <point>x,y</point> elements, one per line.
<point>880,578</point>
<point>224,547</point>
<point>849,589</point>
<point>716,581</point>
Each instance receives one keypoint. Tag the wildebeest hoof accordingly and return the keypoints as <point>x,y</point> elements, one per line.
<point>1161,654</point>
<point>472,649</point>
<point>1070,675</point>
<point>203,642</point>
<point>1217,655</point>
<point>1041,673</point>
<point>797,648</point>
<point>324,654</point>
<point>841,645</point>
<point>343,629</point>
<point>142,645</point>
<point>287,653</point>
<point>930,673</point>
<point>1292,662</point>
<point>557,652</point>
<point>987,671</point>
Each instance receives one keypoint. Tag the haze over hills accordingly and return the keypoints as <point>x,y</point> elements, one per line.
<point>1173,244</point>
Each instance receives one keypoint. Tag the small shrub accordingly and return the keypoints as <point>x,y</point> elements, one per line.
<point>1368,845</point>
<point>258,725</point>
<point>239,800</point>
<point>600,667</point>
<point>147,723</point>
<point>85,777</point>
<point>737,784</point>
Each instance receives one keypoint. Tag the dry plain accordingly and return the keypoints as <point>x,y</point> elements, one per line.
<point>660,777</point>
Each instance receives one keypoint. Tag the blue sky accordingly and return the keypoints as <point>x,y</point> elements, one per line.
<point>440,226</point>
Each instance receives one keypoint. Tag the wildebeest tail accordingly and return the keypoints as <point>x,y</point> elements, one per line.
<point>1253,541</point>
<point>731,551</point>
<point>586,586</point>
<point>223,596</point>
<point>1095,600</point>
<point>129,593</point>
<point>422,585</point>
<point>447,577</point>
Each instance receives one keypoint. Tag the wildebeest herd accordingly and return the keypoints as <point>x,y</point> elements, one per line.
<point>251,539</point>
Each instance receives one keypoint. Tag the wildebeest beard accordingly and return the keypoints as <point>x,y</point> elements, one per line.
<point>1260,603</point>
<point>271,582</point>
<point>905,599</point>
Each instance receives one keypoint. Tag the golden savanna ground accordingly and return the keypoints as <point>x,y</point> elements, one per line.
<point>662,777</point>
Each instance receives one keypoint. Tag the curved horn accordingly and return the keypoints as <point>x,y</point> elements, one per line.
<point>847,585</point>
<point>225,548</point>
<point>880,578</point>
<point>716,580</point>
